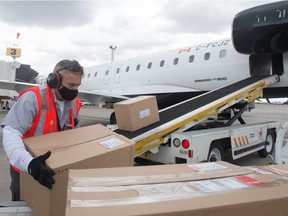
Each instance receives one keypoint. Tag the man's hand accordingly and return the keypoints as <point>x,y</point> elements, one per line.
<point>40,172</point>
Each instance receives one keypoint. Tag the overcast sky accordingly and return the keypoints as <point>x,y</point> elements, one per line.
<point>83,30</point>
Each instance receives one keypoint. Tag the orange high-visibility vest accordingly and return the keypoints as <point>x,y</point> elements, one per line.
<point>47,113</point>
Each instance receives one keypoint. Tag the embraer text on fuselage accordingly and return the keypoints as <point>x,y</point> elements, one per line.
<point>212,79</point>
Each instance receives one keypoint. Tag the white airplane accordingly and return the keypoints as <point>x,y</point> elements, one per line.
<point>259,33</point>
<point>258,47</point>
<point>176,75</point>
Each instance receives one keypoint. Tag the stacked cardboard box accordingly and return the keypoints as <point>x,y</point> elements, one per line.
<point>83,148</point>
<point>136,113</point>
<point>207,189</point>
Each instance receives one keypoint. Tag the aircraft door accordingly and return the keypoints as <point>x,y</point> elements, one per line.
<point>106,76</point>
<point>117,74</point>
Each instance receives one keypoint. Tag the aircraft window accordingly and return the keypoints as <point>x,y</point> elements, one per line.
<point>191,58</point>
<point>127,68</point>
<point>95,74</point>
<point>149,65</point>
<point>222,53</point>
<point>88,75</point>
<point>107,72</point>
<point>176,61</point>
<point>207,56</point>
<point>138,67</point>
<point>118,70</point>
<point>162,63</point>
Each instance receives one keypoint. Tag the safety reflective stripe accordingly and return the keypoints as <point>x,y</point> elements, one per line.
<point>37,119</point>
<point>42,101</point>
<point>51,122</point>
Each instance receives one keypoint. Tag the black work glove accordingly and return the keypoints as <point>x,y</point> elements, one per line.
<point>40,172</point>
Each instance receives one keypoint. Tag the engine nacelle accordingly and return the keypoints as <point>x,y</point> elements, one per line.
<point>262,29</point>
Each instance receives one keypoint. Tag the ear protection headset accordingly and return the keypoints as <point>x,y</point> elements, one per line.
<point>54,80</point>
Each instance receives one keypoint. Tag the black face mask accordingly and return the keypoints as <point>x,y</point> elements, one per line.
<point>68,94</point>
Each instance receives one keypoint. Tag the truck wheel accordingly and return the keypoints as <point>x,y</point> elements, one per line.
<point>2,105</point>
<point>7,105</point>
<point>216,152</point>
<point>113,118</point>
<point>269,146</point>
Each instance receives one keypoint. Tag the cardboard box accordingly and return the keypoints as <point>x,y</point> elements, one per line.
<point>207,189</point>
<point>83,148</point>
<point>136,113</point>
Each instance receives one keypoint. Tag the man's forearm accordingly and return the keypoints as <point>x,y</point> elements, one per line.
<point>15,149</point>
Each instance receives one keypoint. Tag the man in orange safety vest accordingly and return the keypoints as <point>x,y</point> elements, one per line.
<point>50,107</point>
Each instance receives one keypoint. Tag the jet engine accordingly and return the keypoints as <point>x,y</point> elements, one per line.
<point>262,29</point>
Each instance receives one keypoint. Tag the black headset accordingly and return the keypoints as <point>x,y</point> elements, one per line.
<point>54,80</point>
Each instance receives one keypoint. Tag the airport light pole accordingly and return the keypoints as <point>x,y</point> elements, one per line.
<point>113,48</point>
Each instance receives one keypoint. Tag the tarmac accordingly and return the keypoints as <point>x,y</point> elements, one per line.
<point>92,115</point>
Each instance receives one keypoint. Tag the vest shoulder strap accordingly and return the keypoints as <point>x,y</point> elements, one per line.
<point>33,128</point>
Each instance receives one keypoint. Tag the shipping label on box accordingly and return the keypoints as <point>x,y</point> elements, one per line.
<point>144,113</point>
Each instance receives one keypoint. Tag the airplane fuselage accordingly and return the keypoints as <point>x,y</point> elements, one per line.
<point>193,69</point>
<point>177,74</point>
<point>196,68</point>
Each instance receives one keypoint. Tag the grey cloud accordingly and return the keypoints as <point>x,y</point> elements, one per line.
<point>47,13</point>
<point>204,16</point>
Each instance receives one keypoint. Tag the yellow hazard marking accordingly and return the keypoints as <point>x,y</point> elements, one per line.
<point>235,142</point>
<point>246,138</point>
<point>240,141</point>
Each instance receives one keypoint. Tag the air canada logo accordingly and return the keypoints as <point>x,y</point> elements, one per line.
<point>184,50</point>
<point>260,133</point>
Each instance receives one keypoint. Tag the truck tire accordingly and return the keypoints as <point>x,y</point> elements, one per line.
<point>113,118</point>
<point>269,146</point>
<point>2,105</point>
<point>7,105</point>
<point>216,152</point>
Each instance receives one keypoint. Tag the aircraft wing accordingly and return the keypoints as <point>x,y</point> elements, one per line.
<point>92,97</point>
<point>96,97</point>
<point>16,86</point>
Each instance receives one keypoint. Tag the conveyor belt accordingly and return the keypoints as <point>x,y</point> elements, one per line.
<point>181,109</point>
